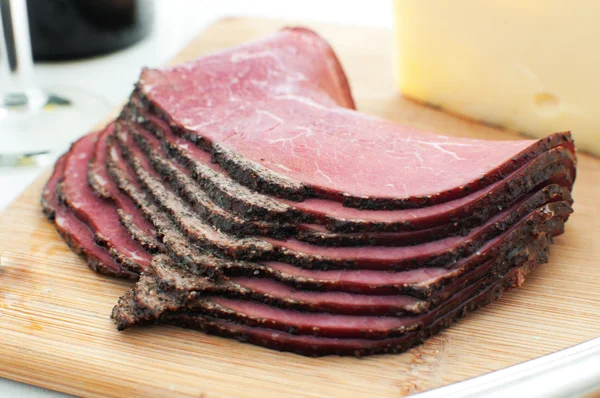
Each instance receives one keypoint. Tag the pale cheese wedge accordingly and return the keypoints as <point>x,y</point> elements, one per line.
<point>531,66</point>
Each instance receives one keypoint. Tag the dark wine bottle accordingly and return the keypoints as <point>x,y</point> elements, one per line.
<point>69,29</point>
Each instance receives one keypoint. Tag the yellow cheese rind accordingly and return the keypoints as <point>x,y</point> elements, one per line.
<point>530,66</point>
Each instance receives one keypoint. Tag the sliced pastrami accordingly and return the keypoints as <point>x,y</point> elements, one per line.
<point>419,282</point>
<point>260,112</point>
<point>49,198</point>
<point>182,289</point>
<point>154,302</point>
<point>315,225</point>
<point>253,313</point>
<point>125,179</point>
<point>441,253</point>
<point>99,214</point>
<point>81,241</point>
<point>466,212</point>
<point>98,178</point>
<point>188,287</point>
<point>76,234</point>
<point>184,185</point>
<point>318,346</point>
<point>102,184</point>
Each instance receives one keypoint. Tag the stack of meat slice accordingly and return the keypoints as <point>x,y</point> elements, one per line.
<point>254,202</point>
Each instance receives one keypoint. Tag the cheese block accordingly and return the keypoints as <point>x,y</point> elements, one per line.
<point>528,65</point>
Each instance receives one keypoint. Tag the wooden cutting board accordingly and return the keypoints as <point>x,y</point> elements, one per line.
<point>55,329</point>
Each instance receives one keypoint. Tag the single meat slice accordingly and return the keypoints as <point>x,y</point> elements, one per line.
<point>144,231</point>
<point>441,253</point>
<point>262,111</point>
<point>76,234</point>
<point>420,282</point>
<point>97,178</point>
<point>99,214</point>
<point>465,212</point>
<point>49,200</point>
<point>319,346</point>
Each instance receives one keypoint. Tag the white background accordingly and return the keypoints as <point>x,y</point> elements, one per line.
<point>177,22</point>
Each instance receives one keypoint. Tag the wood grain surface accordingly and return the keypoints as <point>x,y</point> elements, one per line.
<point>55,329</point>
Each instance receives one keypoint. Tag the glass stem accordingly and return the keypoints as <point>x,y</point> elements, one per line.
<point>17,80</point>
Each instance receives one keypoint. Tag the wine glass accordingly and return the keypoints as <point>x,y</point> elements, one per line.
<point>35,124</point>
